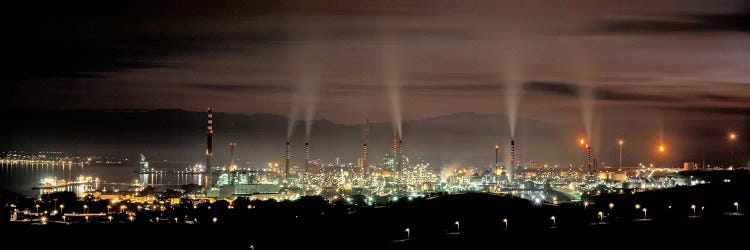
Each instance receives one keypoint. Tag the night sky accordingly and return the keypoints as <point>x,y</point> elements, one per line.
<point>655,62</point>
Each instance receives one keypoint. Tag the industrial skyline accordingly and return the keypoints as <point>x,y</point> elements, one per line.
<point>409,124</point>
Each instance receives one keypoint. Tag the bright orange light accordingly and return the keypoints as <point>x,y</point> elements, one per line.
<point>661,148</point>
<point>620,142</point>
<point>497,146</point>
<point>582,141</point>
<point>732,136</point>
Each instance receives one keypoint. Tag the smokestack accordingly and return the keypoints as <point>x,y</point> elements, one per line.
<point>286,163</point>
<point>209,147</point>
<point>588,158</point>
<point>364,147</point>
<point>512,168</point>
<point>401,159</point>
<point>497,149</point>
<point>395,154</point>
<point>209,139</point>
<point>307,154</point>
<point>232,167</point>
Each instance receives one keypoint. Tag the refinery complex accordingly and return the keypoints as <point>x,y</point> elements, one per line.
<point>397,174</point>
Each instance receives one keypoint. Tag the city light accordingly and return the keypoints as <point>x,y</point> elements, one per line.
<point>458,226</point>
<point>505,220</point>
<point>737,206</point>
<point>408,233</point>
<point>644,213</point>
<point>661,148</point>
<point>601,216</point>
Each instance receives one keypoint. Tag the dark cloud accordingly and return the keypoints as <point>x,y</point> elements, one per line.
<point>732,22</point>
<point>739,111</point>
<point>260,88</point>
<point>454,87</point>
<point>725,98</point>
<point>610,95</point>
<point>555,88</point>
<point>600,93</point>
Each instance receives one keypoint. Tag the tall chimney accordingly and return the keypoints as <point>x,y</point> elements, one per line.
<point>209,148</point>
<point>286,162</point>
<point>307,154</point>
<point>512,168</point>
<point>588,158</point>
<point>209,139</point>
<point>395,153</point>
<point>497,149</point>
<point>232,166</point>
<point>364,147</point>
<point>401,159</point>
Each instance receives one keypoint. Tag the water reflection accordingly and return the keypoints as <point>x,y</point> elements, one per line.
<point>24,177</point>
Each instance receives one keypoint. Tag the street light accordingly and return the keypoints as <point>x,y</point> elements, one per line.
<point>637,206</point>
<point>44,220</point>
<point>215,220</point>
<point>85,209</point>
<point>458,226</point>
<point>585,205</point>
<point>554,220</point>
<point>505,220</point>
<point>109,207</point>
<point>109,218</point>
<point>37,209</point>
<point>611,206</point>
<point>693,207</point>
<point>131,218</point>
<point>61,208</point>
<point>601,216</point>
<point>87,218</point>
<point>644,213</point>
<point>737,206</point>
<point>408,233</point>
